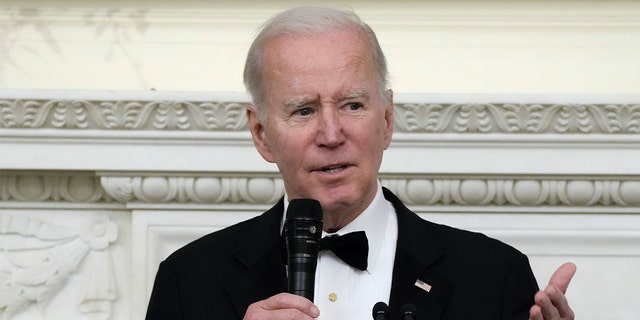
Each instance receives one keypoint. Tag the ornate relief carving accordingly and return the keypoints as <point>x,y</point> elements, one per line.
<point>38,257</point>
<point>518,118</point>
<point>194,189</point>
<point>525,192</point>
<point>410,117</point>
<point>77,188</point>
<point>267,190</point>
<point>122,115</point>
<point>415,191</point>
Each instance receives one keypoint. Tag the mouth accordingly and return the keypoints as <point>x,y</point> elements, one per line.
<point>333,168</point>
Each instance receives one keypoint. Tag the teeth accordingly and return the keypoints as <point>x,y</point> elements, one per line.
<point>332,169</point>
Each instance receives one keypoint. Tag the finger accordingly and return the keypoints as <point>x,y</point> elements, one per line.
<point>547,309</point>
<point>535,313</point>
<point>563,276</point>
<point>278,314</point>
<point>291,301</point>
<point>559,301</point>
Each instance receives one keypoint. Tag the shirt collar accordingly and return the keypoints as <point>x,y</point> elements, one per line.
<point>373,221</point>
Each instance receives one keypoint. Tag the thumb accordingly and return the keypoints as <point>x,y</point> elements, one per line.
<point>563,276</point>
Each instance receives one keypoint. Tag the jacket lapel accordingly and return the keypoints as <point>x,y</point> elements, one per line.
<point>416,252</point>
<point>262,256</point>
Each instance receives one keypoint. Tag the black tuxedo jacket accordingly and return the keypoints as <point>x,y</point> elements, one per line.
<point>472,276</point>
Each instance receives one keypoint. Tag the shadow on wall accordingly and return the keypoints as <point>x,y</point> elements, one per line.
<point>23,29</point>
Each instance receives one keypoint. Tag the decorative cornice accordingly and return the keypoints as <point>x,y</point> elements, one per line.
<point>53,187</point>
<point>439,118</point>
<point>194,190</point>
<point>572,192</point>
<point>518,118</point>
<point>419,190</point>
<point>266,189</point>
<point>580,192</point>
<point>122,115</point>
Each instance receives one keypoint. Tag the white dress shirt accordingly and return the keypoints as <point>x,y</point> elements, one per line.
<point>344,292</point>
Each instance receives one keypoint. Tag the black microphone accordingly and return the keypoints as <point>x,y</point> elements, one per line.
<point>302,230</point>
<point>408,311</point>
<point>381,311</point>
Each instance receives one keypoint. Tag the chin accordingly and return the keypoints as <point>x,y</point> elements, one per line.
<point>339,202</point>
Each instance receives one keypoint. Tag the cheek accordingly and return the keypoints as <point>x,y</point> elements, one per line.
<point>379,139</point>
<point>287,148</point>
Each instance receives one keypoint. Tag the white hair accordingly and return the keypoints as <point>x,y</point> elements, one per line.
<point>308,21</point>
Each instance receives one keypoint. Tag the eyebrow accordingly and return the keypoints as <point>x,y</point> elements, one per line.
<point>354,94</point>
<point>296,103</point>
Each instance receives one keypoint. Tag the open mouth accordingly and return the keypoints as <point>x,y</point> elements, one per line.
<point>333,168</point>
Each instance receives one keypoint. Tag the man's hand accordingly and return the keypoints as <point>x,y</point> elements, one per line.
<point>282,306</point>
<point>552,303</point>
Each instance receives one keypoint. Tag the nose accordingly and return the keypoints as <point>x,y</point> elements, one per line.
<point>330,129</point>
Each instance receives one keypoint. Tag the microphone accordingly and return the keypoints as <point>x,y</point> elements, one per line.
<point>302,230</point>
<point>381,311</point>
<point>408,311</point>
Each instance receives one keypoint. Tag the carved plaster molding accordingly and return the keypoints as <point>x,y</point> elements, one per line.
<point>122,115</point>
<point>186,115</point>
<point>38,257</point>
<point>267,189</point>
<point>572,192</point>
<point>194,189</point>
<point>518,118</point>
<point>55,187</point>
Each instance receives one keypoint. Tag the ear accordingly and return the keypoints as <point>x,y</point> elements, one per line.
<point>258,133</point>
<point>388,117</point>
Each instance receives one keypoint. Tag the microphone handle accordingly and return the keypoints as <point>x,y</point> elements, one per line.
<point>302,276</point>
<point>302,229</point>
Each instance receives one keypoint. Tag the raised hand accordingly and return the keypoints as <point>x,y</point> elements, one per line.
<point>552,304</point>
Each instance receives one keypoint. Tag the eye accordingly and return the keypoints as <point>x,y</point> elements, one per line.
<point>354,106</point>
<point>304,111</point>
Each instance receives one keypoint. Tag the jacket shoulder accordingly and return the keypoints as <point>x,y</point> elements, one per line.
<point>223,244</point>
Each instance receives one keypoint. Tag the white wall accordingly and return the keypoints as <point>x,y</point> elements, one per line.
<point>581,47</point>
<point>533,137</point>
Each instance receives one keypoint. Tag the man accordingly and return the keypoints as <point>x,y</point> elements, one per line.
<point>322,112</point>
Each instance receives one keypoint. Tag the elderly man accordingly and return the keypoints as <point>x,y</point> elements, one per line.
<point>322,112</point>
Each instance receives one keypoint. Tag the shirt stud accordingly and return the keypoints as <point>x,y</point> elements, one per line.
<point>333,296</point>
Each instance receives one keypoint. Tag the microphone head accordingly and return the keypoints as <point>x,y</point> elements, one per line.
<point>381,311</point>
<point>408,311</point>
<point>305,209</point>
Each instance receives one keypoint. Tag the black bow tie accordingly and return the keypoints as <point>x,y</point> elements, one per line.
<point>352,248</point>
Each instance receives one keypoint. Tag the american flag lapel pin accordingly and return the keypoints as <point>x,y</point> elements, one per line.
<point>423,285</point>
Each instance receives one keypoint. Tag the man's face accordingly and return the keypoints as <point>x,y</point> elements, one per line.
<point>326,125</point>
